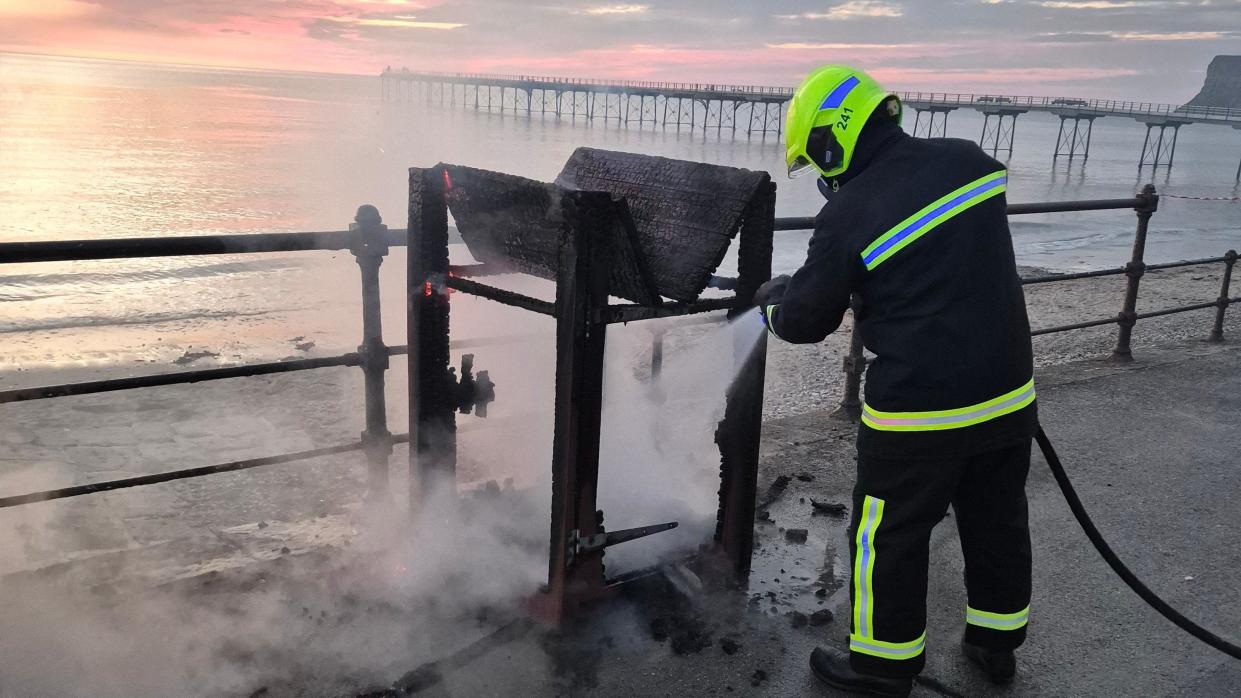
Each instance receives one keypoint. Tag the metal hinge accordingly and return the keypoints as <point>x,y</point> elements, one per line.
<point>579,544</point>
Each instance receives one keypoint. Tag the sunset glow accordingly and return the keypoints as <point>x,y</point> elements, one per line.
<point>1087,47</point>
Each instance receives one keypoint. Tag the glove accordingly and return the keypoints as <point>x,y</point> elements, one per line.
<point>771,292</point>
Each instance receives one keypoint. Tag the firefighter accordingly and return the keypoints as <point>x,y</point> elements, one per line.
<point>915,231</point>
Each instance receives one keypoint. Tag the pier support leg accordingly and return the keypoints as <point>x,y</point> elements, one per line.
<point>935,125</point>
<point>1074,141</point>
<point>1159,147</point>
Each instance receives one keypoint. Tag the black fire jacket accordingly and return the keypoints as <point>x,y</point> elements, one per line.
<point>918,230</point>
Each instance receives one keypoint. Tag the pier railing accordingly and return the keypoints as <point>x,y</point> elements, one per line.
<point>369,241</point>
<point>1100,107</point>
<point>540,81</point>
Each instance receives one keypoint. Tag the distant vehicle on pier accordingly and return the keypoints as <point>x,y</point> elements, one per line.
<point>988,99</point>
<point>1068,102</point>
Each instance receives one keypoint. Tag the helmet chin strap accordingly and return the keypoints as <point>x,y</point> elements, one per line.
<point>826,188</point>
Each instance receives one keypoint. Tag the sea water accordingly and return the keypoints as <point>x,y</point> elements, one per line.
<point>98,149</point>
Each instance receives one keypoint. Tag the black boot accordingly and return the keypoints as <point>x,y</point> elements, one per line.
<point>833,668</point>
<point>999,665</point>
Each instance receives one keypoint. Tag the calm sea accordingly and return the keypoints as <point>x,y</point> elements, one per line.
<point>96,149</point>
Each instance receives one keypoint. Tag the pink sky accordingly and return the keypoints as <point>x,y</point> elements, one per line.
<point>1092,47</point>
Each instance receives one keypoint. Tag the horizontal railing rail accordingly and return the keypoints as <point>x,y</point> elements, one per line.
<point>191,245</point>
<point>369,240</point>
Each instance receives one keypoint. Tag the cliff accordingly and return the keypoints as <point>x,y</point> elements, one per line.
<point>1223,84</point>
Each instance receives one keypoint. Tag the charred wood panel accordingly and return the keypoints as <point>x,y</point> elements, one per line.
<point>515,223</point>
<point>685,213</point>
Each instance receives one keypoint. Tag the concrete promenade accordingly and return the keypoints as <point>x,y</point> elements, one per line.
<point>1152,450</point>
<point>1151,446</point>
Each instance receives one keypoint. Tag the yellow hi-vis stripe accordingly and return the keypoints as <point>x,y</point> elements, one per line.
<point>864,567</point>
<point>932,216</point>
<point>997,621</point>
<point>888,650</point>
<point>950,419</point>
<point>862,639</point>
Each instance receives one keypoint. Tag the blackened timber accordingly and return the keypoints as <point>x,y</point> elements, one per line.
<point>500,295</point>
<point>631,313</point>
<point>740,431</point>
<point>475,270</point>
<point>581,287</point>
<point>432,414</point>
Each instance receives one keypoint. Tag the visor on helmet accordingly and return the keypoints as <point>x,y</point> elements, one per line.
<point>800,166</point>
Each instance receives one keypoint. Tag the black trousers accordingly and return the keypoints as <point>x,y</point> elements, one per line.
<point>896,503</point>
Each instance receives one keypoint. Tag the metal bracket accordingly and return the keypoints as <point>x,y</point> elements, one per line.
<point>472,393</point>
<point>579,544</point>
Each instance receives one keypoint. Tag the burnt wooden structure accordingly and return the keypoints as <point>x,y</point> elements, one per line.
<point>645,229</point>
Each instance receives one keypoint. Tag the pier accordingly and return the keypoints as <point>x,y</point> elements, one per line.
<point>751,110</point>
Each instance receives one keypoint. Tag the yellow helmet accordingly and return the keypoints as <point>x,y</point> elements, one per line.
<point>826,115</point>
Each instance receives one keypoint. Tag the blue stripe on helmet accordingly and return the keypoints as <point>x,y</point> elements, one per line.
<point>837,96</point>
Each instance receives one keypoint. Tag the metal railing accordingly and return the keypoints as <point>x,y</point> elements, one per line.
<point>369,241</point>
<point>1100,107</point>
<point>1144,205</point>
<point>367,238</point>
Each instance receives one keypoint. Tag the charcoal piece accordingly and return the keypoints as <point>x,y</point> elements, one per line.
<point>821,617</point>
<point>796,535</point>
<point>686,213</point>
<point>827,508</point>
<point>774,490</point>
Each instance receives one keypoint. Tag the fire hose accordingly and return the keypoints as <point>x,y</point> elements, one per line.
<point>1150,597</point>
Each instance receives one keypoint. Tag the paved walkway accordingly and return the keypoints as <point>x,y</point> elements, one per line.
<point>1151,446</point>
<point>1152,450</point>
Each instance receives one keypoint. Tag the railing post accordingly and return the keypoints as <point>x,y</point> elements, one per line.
<point>369,248</point>
<point>1134,270</point>
<point>1217,332</point>
<point>854,366</point>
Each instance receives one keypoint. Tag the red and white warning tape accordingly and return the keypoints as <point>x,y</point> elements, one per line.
<point>1201,198</point>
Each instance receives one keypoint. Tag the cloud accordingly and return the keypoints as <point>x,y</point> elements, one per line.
<point>45,9</point>
<point>397,21</point>
<point>614,10</point>
<point>852,9</point>
<point>1137,36</point>
<point>798,46</point>
<point>1088,4</point>
<point>952,46</point>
